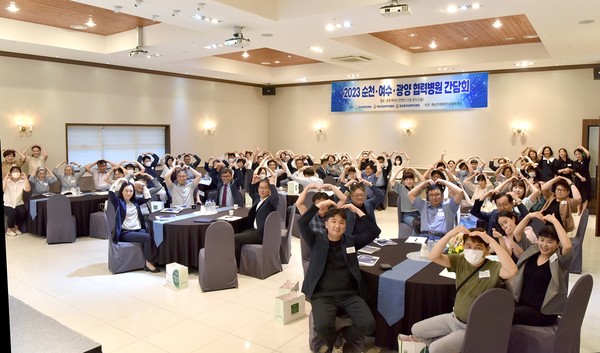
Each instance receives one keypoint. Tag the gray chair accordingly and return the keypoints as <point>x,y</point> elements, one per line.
<point>122,256</point>
<point>216,261</point>
<point>404,230</point>
<point>562,337</point>
<point>489,322</point>
<point>315,342</point>
<point>285,250</point>
<point>262,260</point>
<point>577,242</point>
<point>329,179</point>
<point>536,224</point>
<point>99,226</point>
<point>61,226</point>
<point>282,209</point>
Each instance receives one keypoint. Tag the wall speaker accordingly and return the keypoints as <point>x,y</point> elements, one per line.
<point>268,91</point>
<point>597,73</point>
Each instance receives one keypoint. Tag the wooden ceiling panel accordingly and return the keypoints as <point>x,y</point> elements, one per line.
<point>64,13</point>
<point>275,58</point>
<point>462,35</point>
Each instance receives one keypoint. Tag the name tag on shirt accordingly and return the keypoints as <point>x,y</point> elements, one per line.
<point>350,250</point>
<point>440,212</point>
<point>553,257</point>
<point>564,202</point>
<point>484,274</point>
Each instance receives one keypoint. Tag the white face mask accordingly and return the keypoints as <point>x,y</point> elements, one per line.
<point>15,175</point>
<point>473,256</point>
<point>129,172</point>
<point>231,160</point>
<point>532,175</point>
<point>148,164</point>
<point>262,176</point>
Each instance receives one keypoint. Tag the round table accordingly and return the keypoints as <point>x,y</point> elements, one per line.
<point>426,293</point>
<point>183,239</point>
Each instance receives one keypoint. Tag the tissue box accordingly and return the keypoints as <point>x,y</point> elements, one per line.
<point>288,287</point>
<point>156,206</point>
<point>177,275</point>
<point>289,307</point>
<point>293,188</point>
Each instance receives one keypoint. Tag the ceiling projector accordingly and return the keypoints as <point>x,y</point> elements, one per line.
<point>394,9</point>
<point>238,40</point>
<point>138,52</point>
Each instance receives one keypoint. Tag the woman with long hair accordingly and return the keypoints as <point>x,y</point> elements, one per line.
<point>581,167</point>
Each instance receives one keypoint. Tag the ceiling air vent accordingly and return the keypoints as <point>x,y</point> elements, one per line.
<point>352,58</point>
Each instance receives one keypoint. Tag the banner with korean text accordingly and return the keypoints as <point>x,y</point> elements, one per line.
<point>447,92</point>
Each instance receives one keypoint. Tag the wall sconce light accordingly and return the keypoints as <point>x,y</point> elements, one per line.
<point>319,131</point>
<point>407,128</point>
<point>519,129</point>
<point>25,130</point>
<point>210,128</point>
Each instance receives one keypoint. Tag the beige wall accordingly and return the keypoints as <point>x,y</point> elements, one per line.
<point>54,94</point>
<point>552,103</point>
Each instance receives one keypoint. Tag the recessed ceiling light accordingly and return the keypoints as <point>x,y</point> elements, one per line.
<point>347,24</point>
<point>530,36</point>
<point>277,62</point>
<point>451,8</point>
<point>79,27</point>
<point>465,38</point>
<point>475,5</point>
<point>497,23</point>
<point>316,49</point>
<point>289,56</point>
<point>330,27</point>
<point>586,22</point>
<point>412,35</point>
<point>12,7</point>
<point>433,44</point>
<point>523,63</point>
<point>265,63</point>
<point>90,22</point>
<point>245,54</point>
<point>416,47</point>
<point>509,38</point>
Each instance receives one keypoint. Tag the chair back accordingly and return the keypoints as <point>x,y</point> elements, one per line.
<point>282,209</point>
<point>489,322</point>
<point>577,242</point>
<point>111,215</point>
<point>217,268</point>
<point>567,337</point>
<point>58,206</point>
<point>536,224</point>
<point>308,199</point>
<point>247,179</point>
<point>272,237</point>
<point>285,250</point>
<point>582,226</point>
<point>61,226</point>
<point>404,230</point>
<point>329,179</point>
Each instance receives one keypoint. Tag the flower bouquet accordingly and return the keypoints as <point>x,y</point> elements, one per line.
<point>455,244</point>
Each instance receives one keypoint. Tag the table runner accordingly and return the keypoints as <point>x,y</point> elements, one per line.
<point>390,297</point>
<point>157,225</point>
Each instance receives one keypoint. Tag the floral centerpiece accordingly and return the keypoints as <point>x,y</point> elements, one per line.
<point>455,244</point>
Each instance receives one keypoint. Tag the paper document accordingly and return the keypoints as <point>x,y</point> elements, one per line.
<point>369,249</point>
<point>367,260</point>
<point>416,240</point>
<point>229,218</point>
<point>446,273</point>
<point>384,242</point>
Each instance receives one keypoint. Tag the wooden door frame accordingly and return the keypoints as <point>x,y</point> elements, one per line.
<point>586,123</point>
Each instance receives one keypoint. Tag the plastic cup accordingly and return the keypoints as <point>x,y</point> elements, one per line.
<point>231,212</point>
<point>235,206</point>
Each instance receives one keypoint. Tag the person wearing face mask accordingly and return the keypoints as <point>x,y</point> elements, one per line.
<point>68,177</point>
<point>539,287</point>
<point>40,183</point>
<point>149,160</point>
<point>14,185</point>
<point>474,275</point>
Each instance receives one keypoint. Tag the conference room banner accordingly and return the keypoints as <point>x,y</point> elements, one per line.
<point>447,92</point>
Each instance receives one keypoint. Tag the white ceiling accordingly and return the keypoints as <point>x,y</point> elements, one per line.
<point>296,25</point>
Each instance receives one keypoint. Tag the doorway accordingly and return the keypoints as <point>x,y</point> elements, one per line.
<point>591,140</point>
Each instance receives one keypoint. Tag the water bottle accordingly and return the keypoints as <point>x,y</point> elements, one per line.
<point>430,243</point>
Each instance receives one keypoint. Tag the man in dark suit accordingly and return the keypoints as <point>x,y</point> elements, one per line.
<point>265,200</point>
<point>229,188</point>
<point>321,171</point>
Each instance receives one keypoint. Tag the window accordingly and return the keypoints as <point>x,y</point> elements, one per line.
<point>88,143</point>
